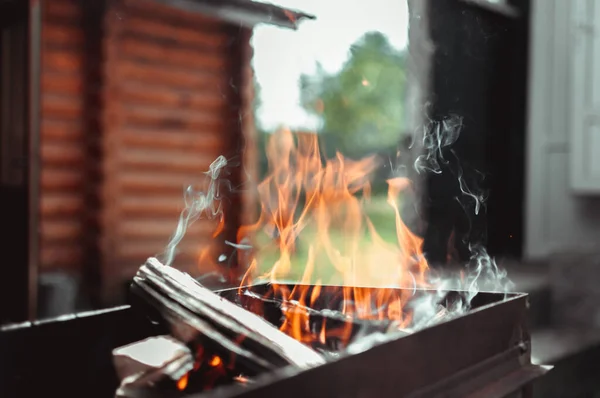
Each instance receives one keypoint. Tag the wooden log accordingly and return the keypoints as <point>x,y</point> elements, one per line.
<point>169,98</point>
<point>144,228</point>
<point>162,182</point>
<point>61,204</point>
<point>61,180</point>
<point>62,107</point>
<point>197,313</point>
<point>162,160</point>
<point>172,16</point>
<point>168,55</point>
<point>67,9</point>
<point>154,353</point>
<point>142,206</point>
<point>172,139</point>
<point>153,117</point>
<point>62,130</point>
<point>161,366</point>
<point>157,30</point>
<point>62,155</point>
<point>62,35</point>
<point>340,330</point>
<point>61,230</point>
<point>60,256</point>
<point>154,75</point>
<point>62,83</point>
<point>65,61</point>
<point>138,250</point>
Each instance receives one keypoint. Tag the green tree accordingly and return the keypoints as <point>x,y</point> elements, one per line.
<point>361,106</point>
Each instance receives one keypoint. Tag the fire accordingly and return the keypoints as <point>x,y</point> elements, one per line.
<point>215,361</point>
<point>314,206</point>
<point>183,382</point>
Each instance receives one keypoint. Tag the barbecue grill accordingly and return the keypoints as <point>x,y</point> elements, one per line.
<point>484,352</point>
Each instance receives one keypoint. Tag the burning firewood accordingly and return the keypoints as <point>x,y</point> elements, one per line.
<point>202,319</point>
<point>330,330</point>
<point>163,367</point>
<point>151,354</point>
<point>228,341</point>
<point>156,360</point>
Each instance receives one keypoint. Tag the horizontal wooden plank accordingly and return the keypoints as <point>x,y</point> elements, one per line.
<point>159,118</point>
<point>61,257</point>
<point>62,60</point>
<point>65,229</point>
<point>61,200</point>
<point>53,130</point>
<point>61,8</point>
<point>166,205</point>
<point>169,98</point>
<point>140,251</point>
<point>62,204</point>
<point>61,106</point>
<point>172,15</point>
<point>165,160</point>
<point>136,229</point>
<point>62,35</point>
<point>128,267</point>
<point>61,180</point>
<point>162,181</point>
<point>172,140</point>
<point>131,71</point>
<point>62,83</point>
<point>161,31</point>
<point>62,154</point>
<point>194,244</point>
<point>158,54</point>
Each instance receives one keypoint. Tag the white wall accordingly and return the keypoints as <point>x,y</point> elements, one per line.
<point>556,218</point>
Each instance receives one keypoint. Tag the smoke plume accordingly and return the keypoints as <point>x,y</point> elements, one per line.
<point>204,202</point>
<point>481,273</point>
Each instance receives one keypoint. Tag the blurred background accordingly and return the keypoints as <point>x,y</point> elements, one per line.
<point>109,109</point>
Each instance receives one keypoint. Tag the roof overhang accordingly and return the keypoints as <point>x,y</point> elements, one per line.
<point>243,12</point>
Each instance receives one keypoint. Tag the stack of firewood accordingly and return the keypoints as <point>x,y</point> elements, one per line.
<point>214,341</point>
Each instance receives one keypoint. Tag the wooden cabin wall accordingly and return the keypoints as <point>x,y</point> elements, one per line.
<point>63,138</point>
<point>171,107</point>
<point>138,99</point>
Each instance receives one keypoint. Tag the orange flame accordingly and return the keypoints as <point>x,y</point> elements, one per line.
<point>215,361</point>
<point>316,207</point>
<point>183,382</point>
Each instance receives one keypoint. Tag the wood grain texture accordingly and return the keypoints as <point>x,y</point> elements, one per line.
<point>62,146</point>
<point>169,98</point>
<point>128,123</point>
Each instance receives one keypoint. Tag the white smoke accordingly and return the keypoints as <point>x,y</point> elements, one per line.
<point>436,136</point>
<point>205,202</point>
<point>485,275</point>
<point>481,273</point>
<point>478,198</point>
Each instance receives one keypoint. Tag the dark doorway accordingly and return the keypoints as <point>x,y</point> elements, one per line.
<point>479,72</point>
<point>16,145</point>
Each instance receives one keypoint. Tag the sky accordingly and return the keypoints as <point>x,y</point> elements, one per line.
<point>282,55</point>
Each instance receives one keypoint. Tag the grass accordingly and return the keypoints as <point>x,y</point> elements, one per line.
<point>376,209</point>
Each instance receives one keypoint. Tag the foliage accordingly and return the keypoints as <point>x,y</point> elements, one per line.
<point>361,106</point>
